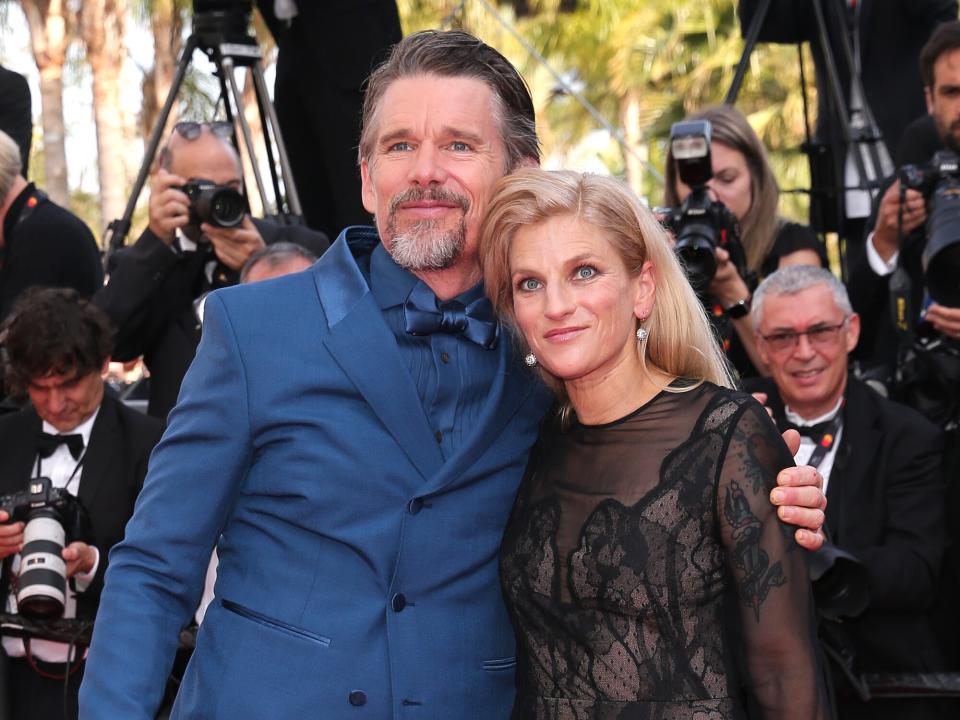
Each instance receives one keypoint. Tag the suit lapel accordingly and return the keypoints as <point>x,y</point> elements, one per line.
<point>858,446</point>
<point>20,453</point>
<point>366,350</point>
<point>101,452</point>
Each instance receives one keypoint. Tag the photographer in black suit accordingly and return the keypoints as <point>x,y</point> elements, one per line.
<point>156,287</point>
<point>880,463</point>
<point>86,442</point>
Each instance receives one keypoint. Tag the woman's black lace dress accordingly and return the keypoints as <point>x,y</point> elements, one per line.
<point>647,575</point>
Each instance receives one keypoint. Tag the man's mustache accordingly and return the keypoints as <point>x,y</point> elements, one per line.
<point>415,194</point>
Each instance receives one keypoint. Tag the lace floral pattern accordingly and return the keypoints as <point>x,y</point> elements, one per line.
<point>631,548</point>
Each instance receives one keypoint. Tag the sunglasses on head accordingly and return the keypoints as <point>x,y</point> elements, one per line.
<point>190,130</point>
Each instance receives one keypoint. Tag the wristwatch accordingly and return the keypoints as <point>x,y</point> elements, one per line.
<point>741,308</point>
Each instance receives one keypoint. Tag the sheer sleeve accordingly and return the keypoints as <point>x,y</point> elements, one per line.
<point>769,573</point>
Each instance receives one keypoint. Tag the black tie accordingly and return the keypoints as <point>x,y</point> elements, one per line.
<point>47,444</point>
<point>814,432</point>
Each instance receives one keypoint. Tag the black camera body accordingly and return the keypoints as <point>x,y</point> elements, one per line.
<point>700,225</point>
<point>218,205</point>
<point>52,519</point>
<point>939,182</point>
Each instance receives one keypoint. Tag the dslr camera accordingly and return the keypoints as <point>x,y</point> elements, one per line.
<point>218,205</point>
<point>939,182</point>
<point>53,518</point>
<point>700,225</point>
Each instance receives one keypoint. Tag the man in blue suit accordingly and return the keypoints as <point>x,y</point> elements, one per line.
<point>350,439</point>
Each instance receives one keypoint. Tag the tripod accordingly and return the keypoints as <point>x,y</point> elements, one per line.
<point>859,133</point>
<point>223,37</point>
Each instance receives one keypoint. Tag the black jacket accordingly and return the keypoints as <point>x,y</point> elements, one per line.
<point>150,298</point>
<point>885,505</point>
<point>16,113</point>
<point>112,474</point>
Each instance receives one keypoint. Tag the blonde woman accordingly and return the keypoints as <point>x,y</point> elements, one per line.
<point>642,563</point>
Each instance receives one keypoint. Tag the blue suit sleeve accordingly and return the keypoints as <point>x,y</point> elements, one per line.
<point>156,574</point>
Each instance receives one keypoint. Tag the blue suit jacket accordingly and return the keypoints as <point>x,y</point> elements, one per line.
<point>358,569</point>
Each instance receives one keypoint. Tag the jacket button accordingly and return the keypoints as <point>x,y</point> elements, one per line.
<point>398,602</point>
<point>358,698</point>
<point>415,505</point>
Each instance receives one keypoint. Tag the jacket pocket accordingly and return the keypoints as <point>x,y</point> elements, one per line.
<point>272,623</point>
<point>499,665</point>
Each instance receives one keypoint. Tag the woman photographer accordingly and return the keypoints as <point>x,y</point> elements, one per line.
<point>744,182</point>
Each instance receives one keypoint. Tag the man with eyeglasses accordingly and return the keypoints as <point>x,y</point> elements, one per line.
<point>880,463</point>
<point>157,286</point>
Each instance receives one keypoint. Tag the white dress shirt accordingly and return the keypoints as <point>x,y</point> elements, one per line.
<point>807,445</point>
<point>64,472</point>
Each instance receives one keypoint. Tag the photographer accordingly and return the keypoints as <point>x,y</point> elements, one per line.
<point>743,181</point>
<point>86,442</point>
<point>880,463</point>
<point>156,286</point>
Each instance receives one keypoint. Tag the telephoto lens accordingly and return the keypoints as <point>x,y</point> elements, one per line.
<point>42,580</point>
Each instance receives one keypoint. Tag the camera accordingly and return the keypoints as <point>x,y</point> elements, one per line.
<point>700,225</point>
<point>939,182</point>
<point>219,205</point>
<point>53,518</point>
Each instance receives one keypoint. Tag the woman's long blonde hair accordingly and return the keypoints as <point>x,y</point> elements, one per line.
<point>681,342</point>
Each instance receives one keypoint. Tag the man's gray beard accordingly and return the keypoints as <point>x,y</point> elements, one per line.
<point>426,246</point>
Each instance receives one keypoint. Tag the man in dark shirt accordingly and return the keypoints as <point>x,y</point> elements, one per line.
<point>41,243</point>
<point>157,286</point>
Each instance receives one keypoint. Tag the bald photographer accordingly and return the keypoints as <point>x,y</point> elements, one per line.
<point>94,452</point>
<point>198,239</point>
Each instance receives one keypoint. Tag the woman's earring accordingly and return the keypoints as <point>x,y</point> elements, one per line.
<point>642,334</point>
<point>530,359</point>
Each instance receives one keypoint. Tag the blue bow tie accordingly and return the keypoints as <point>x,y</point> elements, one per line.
<point>423,315</point>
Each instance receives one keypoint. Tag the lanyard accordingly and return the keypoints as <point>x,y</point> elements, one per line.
<point>826,440</point>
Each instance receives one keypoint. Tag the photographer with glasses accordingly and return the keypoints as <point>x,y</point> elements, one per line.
<point>198,239</point>
<point>880,463</point>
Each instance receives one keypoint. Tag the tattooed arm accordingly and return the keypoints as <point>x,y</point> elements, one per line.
<point>769,573</point>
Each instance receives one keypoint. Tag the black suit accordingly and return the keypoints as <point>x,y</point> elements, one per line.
<point>885,506</point>
<point>325,56</point>
<point>150,299</point>
<point>112,474</point>
<point>16,113</point>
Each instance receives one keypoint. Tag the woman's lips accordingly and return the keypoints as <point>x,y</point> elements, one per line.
<point>564,334</point>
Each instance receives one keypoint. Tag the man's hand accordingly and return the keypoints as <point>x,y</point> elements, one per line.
<point>885,232</point>
<point>169,206</point>
<point>799,498</point>
<point>80,558</point>
<point>727,285</point>
<point>234,245</point>
<point>945,319</point>
<point>11,536</point>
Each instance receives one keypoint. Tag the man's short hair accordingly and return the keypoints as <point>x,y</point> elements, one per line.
<point>794,279</point>
<point>453,53</point>
<point>276,255</point>
<point>945,38</point>
<point>9,164</point>
<point>54,331</point>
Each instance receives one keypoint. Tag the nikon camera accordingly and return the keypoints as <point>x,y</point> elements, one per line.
<point>219,205</point>
<point>700,225</point>
<point>53,518</point>
<point>939,182</point>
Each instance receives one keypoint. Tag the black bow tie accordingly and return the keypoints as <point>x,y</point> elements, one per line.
<point>814,432</point>
<point>423,315</point>
<point>47,444</point>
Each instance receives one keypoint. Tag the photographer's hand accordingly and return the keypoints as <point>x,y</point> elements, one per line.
<point>11,536</point>
<point>945,319</point>
<point>885,232</point>
<point>169,206</point>
<point>80,558</point>
<point>727,286</point>
<point>234,245</point>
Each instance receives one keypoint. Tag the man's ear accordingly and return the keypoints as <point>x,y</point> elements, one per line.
<point>368,194</point>
<point>928,96</point>
<point>106,367</point>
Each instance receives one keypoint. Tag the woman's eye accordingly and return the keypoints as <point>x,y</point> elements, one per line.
<point>585,272</point>
<point>528,284</point>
